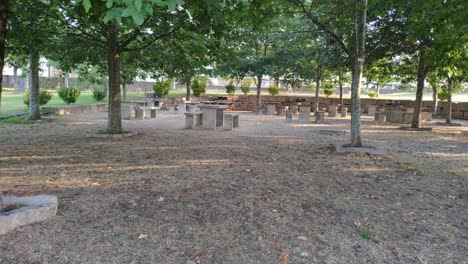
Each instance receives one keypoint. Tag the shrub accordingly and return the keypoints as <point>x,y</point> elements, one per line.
<point>199,85</point>
<point>274,90</point>
<point>99,94</point>
<point>328,89</point>
<point>443,95</point>
<point>44,97</point>
<point>162,89</point>
<point>68,95</point>
<point>372,94</point>
<point>245,87</point>
<point>230,88</point>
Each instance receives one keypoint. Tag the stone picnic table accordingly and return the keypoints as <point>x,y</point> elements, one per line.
<point>213,115</point>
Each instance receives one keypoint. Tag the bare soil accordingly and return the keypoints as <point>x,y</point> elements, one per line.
<point>269,192</point>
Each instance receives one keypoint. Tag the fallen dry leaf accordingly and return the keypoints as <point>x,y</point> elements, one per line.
<point>142,236</point>
<point>284,257</point>
<point>304,238</point>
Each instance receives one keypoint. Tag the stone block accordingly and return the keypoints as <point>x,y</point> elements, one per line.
<point>371,109</point>
<point>289,115</point>
<point>344,112</point>
<point>304,114</point>
<point>320,117</point>
<point>270,109</point>
<point>34,209</point>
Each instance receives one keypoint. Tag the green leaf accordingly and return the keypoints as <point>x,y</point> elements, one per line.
<point>138,4</point>
<point>87,5</point>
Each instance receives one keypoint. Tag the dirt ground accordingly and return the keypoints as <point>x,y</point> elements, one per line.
<point>269,192</point>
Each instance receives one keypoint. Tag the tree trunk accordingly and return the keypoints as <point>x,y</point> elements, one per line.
<point>378,90</point>
<point>66,80</point>
<point>34,103</point>
<point>259,100</point>
<point>422,72</point>
<point>434,100</point>
<point>4,8</point>
<point>15,79</point>
<point>277,83</point>
<point>188,89</point>
<point>448,118</point>
<point>114,125</point>
<point>341,92</point>
<point>1,202</point>
<point>358,65</point>
<point>316,98</point>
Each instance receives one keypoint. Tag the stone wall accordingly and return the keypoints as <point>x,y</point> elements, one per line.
<point>247,103</point>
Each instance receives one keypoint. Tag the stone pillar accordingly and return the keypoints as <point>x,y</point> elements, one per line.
<point>139,113</point>
<point>181,107</point>
<point>209,118</point>
<point>332,110</point>
<point>344,112</point>
<point>320,117</point>
<point>395,116</point>
<point>189,121</point>
<point>371,109</point>
<point>219,117</point>
<point>126,111</point>
<point>304,114</point>
<point>270,109</point>
<point>289,114</point>
<point>280,110</point>
<point>294,108</point>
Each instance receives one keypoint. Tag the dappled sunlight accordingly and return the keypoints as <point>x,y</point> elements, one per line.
<point>10,158</point>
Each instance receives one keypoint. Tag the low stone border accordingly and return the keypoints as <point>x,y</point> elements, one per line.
<point>103,134</point>
<point>341,149</point>
<point>405,128</point>
<point>448,124</point>
<point>35,209</point>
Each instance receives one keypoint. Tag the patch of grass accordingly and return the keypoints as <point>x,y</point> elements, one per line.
<point>125,239</point>
<point>193,238</point>
<point>15,120</point>
<point>460,173</point>
<point>407,168</point>
<point>367,233</point>
<point>293,243</point>
<point>130,217</point>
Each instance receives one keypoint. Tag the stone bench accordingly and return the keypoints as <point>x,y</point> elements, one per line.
<point>320,117</point>
<point>193,120</point>
<point>152,110</point>
<point>231,120</point>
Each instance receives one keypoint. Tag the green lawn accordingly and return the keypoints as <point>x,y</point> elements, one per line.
<point>13,102</point>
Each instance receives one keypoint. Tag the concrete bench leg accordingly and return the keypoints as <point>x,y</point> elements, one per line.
<point>198,121</point>
<point>139,113</point>
<point>153,113</point>
<point>209,118</point>
<point>235,122</point>
<point>189,122</point>
<point>228,122</point>
<point>219,117</point>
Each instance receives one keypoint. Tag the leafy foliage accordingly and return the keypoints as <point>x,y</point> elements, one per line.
<point>274,90</point>
<point>328,89</point>
<point>230,88</point>
<point>245,87</point>
<point>68,94</point>
<point>199,84</point>
<point>44,97</point>
<point>372,94</point>
<point>443,94</point>
<point>162,88</point>
<point>99,94</point>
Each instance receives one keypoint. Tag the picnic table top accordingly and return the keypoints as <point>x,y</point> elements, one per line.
<point>213,106</point>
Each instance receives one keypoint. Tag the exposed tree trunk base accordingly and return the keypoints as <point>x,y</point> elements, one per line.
<point>34,102</point>
<point>258,102</point>
<point>114,125</point>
